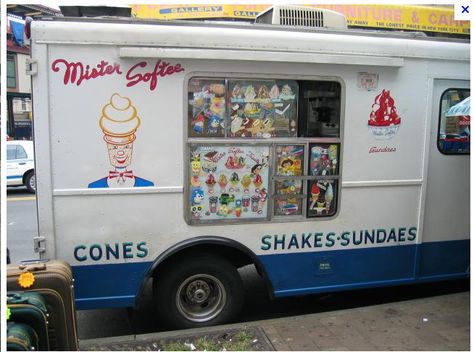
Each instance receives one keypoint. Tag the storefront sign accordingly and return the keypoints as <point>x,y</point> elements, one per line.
<point>76,72</point>
<point>402,17</point>
<point>173,12</point>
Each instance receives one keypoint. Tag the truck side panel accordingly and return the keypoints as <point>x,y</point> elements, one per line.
<point>111,237</point>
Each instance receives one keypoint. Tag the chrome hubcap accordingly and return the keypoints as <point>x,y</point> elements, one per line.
<point>198,291</point>
<point>33,182</point>
<point>201,297</point>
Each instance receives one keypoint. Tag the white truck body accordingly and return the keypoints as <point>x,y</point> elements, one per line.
<point>402,206</point>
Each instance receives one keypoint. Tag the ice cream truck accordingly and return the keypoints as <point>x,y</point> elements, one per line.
<point>177,152</point>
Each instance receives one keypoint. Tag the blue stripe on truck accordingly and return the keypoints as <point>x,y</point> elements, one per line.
<point>108,285</point>
<point>116,285</point>
<point>313,272</point>
<point>444,258</point>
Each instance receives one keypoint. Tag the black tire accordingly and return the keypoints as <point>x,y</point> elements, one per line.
<point>30,182</point>
<point>201,291</point>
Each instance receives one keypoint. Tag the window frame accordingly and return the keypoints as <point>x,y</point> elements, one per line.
<point>305,178</point>
<point>275,178</point>
<point>444,152</point>
<point>12,64</point>
<point>272,143</point>
<point>13,148</point>
<point>187,190</point>
<point>18,148</point>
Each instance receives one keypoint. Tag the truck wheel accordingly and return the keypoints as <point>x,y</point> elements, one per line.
<point>30,182</point>
<point>201,291</point>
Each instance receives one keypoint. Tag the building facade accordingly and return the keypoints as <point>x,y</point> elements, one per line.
<point>19,107</point>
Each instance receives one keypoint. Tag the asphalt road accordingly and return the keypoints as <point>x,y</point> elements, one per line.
<point>22,226</point>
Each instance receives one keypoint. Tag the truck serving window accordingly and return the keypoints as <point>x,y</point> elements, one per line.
<point>262,149</point>
<point>455,122</point>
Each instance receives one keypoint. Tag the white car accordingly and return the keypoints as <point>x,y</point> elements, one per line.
<point>21,165</point>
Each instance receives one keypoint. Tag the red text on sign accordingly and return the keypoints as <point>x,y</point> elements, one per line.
<point>161,69</point>
<point>76,72</point>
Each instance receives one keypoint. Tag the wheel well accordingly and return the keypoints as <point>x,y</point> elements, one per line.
<point>235,256</point>
<point>238,255</point>
<point>25,175</point>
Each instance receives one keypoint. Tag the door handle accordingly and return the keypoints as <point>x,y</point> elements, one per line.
<point>21,163</point>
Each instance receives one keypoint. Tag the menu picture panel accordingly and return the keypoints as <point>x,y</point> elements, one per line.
<point>322,198</point>
<point>286,197</point>
<point>228,182</point>
<point>206,107</point>
<point>324,159</point>
<point>262,108</point>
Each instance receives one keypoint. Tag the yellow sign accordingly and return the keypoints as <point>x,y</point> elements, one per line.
<point>246,11</point>
<point>177,12</point>
<point>181,12</point>
<point>400,17</point>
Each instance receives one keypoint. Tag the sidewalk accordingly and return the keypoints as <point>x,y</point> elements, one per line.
<point>435,323</point>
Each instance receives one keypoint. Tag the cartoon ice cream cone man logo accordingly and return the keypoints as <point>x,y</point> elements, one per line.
<point>119,123</point>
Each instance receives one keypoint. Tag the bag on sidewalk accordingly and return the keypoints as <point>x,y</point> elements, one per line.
<point>21,337</point>
<point>30,308</point>
<point>53,279</point>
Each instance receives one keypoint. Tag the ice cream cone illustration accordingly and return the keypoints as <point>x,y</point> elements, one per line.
<point>119,122</point>
<point>314,196</point>
<point>222,182</point>
<point>246,181</point>
<point>329,196</point>
<point>320,207</point>
<point>250,93</point>
<point>274,92</point>
<point>195,181</point>
<point>321,201</point>
<point>210,182</point>
<point>234,181</point>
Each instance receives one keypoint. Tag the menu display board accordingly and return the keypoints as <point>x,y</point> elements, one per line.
<point>228,182</point>
<point>232,179</point>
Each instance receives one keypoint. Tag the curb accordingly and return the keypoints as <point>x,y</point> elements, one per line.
<point>153,341</point>
<point>170,334</point>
